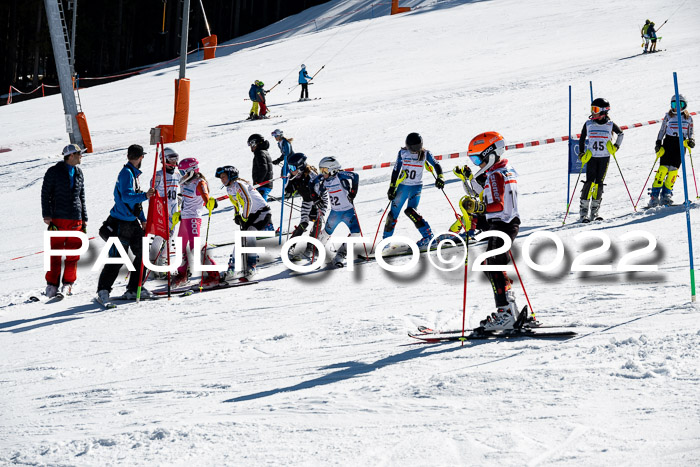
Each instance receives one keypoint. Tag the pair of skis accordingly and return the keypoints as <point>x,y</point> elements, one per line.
<point>430,336</point>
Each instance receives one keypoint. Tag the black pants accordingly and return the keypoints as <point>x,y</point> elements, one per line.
<point>596,169</point>
<point>499,279</point>
<point>258,220</point>
<point>304,90</point>
<point>130,235</point>
<point>672,152</point>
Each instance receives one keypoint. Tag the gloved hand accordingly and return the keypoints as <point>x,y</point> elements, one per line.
<point>439,182</point>
<point>238,220</point>
<point>351,195</point>
<point>612,148</point>
<point>657,146</point>
<point>314,197</point>
<point>278,161</point>
<point>586,156</point>
<point>176,218</point>
<point>83,229</point>
<point>481,179</point>
<point>462,172</point>
<point>472,205</point>
<point>391,194</point>
<point>691,143</point>
<point>212,204</point>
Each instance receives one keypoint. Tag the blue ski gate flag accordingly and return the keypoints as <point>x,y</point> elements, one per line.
<point>574,162</point>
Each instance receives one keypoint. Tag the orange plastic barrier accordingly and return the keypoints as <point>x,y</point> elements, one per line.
<point>395,8</point>
<point>84,130</point>
<point>209,46</point>
<point>166,132</point>
<point>182,109</point>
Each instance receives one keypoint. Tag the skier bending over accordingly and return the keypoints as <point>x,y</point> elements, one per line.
<point>668,148</point>
<point>341,187</point>
<point>595,148</point>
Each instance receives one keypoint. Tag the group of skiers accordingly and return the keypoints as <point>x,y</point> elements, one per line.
<point>327,199</point>
<point>257,93</point>
<point>649,36</point>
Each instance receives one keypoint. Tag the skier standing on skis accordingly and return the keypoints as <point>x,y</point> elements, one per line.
<point>342,188</point>
<point>128,217</point>
<point>63,208</point>
<point>252,213</point>
<point>312,211</point>
<point>304,79</point>
<point>595,148</point>
<point>668,146</point>
<point>195,199</point>
<point>412,158</point>
<point>651,32</point>
<point>262,164</point>
<point>168,188</point>
<point>499,203</point>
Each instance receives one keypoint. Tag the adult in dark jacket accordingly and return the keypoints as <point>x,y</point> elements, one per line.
<point>128,218</point>
<point>262,164</point>
<point>63,208</point>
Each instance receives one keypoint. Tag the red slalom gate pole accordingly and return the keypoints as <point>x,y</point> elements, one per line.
<point>521,282</point>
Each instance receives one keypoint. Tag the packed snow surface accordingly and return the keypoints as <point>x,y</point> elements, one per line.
<point>317,369</point>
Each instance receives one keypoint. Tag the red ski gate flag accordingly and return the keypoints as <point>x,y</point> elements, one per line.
<point>157,223</point>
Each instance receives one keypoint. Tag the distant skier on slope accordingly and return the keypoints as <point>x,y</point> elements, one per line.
<point>256,93</point>
<point>667,142</point>
<point>595,153</point>
<point>412,158</point>
<point>252,214</point>
<point>499,203</point>
<point>312,212</point>
<point>342,188</point>
<point>304,79</point>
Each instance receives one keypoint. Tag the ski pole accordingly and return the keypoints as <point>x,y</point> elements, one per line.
<point>210,207</point>
<point>464,293</point>
<point>521,283</point>
<point>401,178</point>
<point>658,154</point>
<point>289,223</point>
<point>459,218</point>
<point>568,206</point>
<point>361,234</point>
<point>690,155</point>
<point>612,150</point>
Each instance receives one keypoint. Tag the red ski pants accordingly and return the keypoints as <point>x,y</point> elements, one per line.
<point>53,276</point>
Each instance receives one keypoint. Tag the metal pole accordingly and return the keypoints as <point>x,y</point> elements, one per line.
<point>58,43</point>
<point>568,156</point>
<point>183,39</point>
<point>685,189</point>
<point>72,38</point>
<point>590,84</point>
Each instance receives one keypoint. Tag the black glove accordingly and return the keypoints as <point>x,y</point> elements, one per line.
<point>351,195</point>
<point>481,179</point>
<point>83,229</point>
<point>278,161</point>
<point>299,229</point>
<point>691,143</point>
<point>657,146</point>
<point>238,220</point>
<point>465,171</point>
<point>314,197</point>
<point>439,183</point>
<point>216,204</point>
<point>391,194</point>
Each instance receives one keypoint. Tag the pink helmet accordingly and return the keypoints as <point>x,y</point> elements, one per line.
<point>188,165</point>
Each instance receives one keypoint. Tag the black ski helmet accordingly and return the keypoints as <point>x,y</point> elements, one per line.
<point>297,161</point>
<point>414,142</point>
<point>255,139</point>
<point>229,170</point>
<point>599,107</point>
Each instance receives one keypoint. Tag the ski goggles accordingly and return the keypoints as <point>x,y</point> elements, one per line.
<point>252,143</point>
<point>596,110</point>
<point>414,148</point>
<point>291,167</point>
<point>476,159</point>
<point>673,105</point>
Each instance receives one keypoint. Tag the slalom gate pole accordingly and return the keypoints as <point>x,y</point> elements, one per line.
<point>623,181</point>
<point>153,184</point>
<point>685,191</point>
<point>521,283</point>
<point>648,177</point>
<point>165,201</point>
<point>285,174</point>
<point>568,165</point>
<point>360,227</point>
<point>568,206</point>
<point>206,241</point>
<point>289,223</point>
<point>379,226</point>
<point>690,156</point>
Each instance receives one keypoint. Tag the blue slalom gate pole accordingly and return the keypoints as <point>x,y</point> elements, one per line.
<point>568,155</point>
<point>590,84</point>
<point>685,189</point>
<point>284,185</point>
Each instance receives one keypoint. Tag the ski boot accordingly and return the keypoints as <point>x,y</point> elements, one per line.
<point>51,291</point>
<point>68,288</point>
<point>666,197</point>
<point>585,203</point>
<point>595,207</point>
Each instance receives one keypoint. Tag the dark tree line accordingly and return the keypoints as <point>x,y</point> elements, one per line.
<point>116,35</point>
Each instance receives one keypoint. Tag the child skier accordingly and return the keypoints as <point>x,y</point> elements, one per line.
<point>499,203</point>
<point>595,148</point>
<point>304,79</point>
<point>341,187</point>
<point>195,197</point>
<point>668,148</point>
<point>312,212</point>
<point>412,158</point>
<point>252,213</point>
<point>169,189</point>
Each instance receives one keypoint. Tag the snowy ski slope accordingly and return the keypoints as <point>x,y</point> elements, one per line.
<point>317,369</point>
